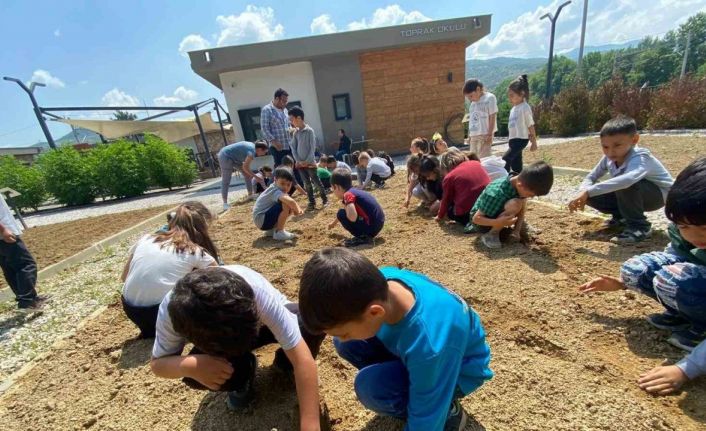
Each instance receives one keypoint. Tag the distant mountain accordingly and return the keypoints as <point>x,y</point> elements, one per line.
<point>79,136</point>
<point>494,70</point>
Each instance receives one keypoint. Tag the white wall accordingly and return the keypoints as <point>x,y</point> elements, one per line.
<point>256,87</point>
<point>188,143</point>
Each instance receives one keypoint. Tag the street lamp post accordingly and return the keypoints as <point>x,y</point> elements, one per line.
<point>553,19</point>
<point>37,111</point>
<point>583,35</point>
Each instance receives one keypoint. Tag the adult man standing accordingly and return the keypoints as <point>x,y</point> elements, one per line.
<point>344,145</point>
<point>17,263</point>
<point>274,122</point>
<point>238,157</point>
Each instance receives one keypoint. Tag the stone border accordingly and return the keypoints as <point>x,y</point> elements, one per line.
<point>6,294</point>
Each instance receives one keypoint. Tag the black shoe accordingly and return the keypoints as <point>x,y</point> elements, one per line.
<point>457,418</point>
<point>311,207</point>
<point>240,400</point>
<point>632,236</point>
<point>357,240</point>
<point>668,321</point>
<point>687,339</point>
<point>613,222</point>
<point>37,305</point>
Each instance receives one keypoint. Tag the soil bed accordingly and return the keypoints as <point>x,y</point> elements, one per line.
<point>675,152</point>
<point>563,361</point>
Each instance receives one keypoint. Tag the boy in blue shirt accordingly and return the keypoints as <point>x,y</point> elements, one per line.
<point>418,347</point>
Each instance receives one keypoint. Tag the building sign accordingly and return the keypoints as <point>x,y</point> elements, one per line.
<point>432,30</point>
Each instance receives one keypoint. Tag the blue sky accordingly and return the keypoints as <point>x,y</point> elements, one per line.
<point>131,52</point>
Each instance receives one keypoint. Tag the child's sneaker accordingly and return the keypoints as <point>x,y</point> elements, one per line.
<point>283,235</point>
<point>668,321</point>
<point>380,185</point>
<point>687,339</point>
<point>613,222</point>
<point>632,236</point>
<point>325,204</point>
<point>357,240</point>
<point>311,207</point>
<point>471,228</point>
<point>253,197</point>
<point>270,233</point>
<point>226,206</point>
<point>457,418</point>
<point>491,240</point>
<point>240,400</point>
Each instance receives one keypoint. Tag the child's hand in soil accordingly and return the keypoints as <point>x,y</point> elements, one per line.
<point>662,380</point>
<point>604,283</point>
<point>579,203</point>
<point>210,371</point>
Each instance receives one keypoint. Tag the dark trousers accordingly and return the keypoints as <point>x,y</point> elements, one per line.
<point>377,179</point>
<point>244,365</point>
<point>340,153</point>
<point>630,203</point>
<point>513,155</point>
<point>278,155</point>
<point>20,271</point>
<point>358,228</point>
<point>326,182</point>
<point>145,318</point>
<point>462,219</point>
<point>310,179</point>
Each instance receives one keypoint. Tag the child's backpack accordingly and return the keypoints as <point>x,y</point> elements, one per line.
<point>383,155</point>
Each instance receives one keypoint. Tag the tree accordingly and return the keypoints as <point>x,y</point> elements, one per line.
<point>563,75</point>
<point>124,116</point>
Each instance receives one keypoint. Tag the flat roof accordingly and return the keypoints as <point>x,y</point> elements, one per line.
<point>210,63</point>
<point>19,151</point>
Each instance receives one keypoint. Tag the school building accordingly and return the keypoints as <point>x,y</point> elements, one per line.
<point>383,85</point>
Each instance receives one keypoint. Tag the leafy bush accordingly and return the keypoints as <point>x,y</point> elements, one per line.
<point>120,170</point>
<point>570,111</point>
<point>26,180</point>
<point>542,114</point>
<point>679,104</point>
<point>167,166</point>
<point>69,178</point>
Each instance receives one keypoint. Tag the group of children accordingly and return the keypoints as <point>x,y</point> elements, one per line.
<point>414,362</point>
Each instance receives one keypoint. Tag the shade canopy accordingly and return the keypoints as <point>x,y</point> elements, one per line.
<point>169,130</point>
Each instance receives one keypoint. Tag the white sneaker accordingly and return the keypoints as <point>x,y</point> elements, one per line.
<point>270,233</point>
<point>253,197</point>
<point>283,235</point>
<point>226,206</point>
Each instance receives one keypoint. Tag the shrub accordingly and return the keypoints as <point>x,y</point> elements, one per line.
<point>121,172</point>
<point>679,104</point>
<point>24,179</point>
<point>542,114</point>
<point>570,111</point>
<point>166,165</point>
<point>614,98</point>
<point>69,178</point>
<point>601,101</point>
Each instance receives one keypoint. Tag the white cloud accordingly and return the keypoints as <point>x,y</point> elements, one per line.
<point>193,42</point>
<point>255,24</point>
<point>117,97</point>
<point>609,21</point>
<point>182,95</point>
<point>57,32</point>
<point>44,77</point>
<point>390,15</point>
<point>323,24</point>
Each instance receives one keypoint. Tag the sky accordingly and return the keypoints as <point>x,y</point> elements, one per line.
<point>133,52</point>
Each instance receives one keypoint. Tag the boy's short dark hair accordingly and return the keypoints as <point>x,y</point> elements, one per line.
<point>284,173</point>
<point>619,126</point>
<point>260,145</point>
<point>330,159</point>
<point>215,309</point>
<point>341,177</point>
<point>280,92</point>
<point>266,169</point>
<point>342,131</point>
<point>354,157</point>
<point>296,112</point>
<point>287,161</point>
<point>537,177</point>
<point>336,286</point>
<point>686,199</point>
<point>471,85</point>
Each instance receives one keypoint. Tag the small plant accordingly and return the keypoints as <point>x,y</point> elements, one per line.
<point>69,178</point>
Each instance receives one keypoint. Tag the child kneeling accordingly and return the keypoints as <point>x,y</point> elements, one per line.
<point>418,347</point>
<point>503,203</point>
<point>274,206</point>
<point>226,313</point>
<point>675,277</point>
<point>362,215</point>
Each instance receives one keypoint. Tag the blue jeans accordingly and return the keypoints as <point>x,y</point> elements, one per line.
<point>340,153</point>
<point>678,285</point>
<point>382,382</point>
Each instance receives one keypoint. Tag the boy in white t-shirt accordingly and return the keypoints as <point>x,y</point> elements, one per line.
<point>520,124</point>
<point>482,115</point>
<point>16,261</point>
<point>377,170</point>
<point>227,312</point>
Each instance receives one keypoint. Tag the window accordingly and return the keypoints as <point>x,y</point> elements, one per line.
<point>342,107</point>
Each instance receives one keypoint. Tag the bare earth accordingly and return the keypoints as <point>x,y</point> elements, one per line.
<point>674,151</point>
<point>563,361</point>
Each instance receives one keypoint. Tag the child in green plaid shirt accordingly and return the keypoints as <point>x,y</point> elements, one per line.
<point>503,203</point>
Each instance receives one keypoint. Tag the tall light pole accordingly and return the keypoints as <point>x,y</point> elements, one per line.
<point>553,19</point>
<point>583,34</point>
<point>37,111</point>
